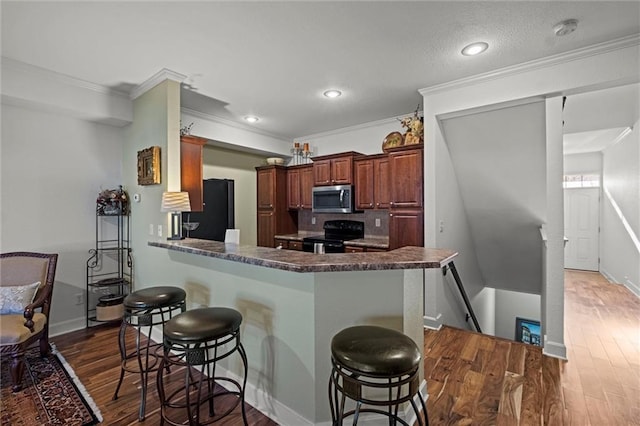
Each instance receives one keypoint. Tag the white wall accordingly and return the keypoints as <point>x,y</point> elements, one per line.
<point>512,304</point>
<point>620,222</point>
<point>220,163</point>
<point>366,138</point>
<point>53,166</point>
<point>586,163</point>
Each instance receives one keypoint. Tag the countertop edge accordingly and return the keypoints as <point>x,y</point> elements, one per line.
<point>402,258</point>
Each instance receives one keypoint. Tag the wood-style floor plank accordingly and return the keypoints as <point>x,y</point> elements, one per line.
<point>509,383</point>
<point>472,379</point>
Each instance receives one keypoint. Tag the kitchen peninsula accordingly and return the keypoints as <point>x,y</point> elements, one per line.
<point>294,302</point>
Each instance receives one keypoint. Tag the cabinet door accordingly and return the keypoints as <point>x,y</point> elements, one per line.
<point>266,188</point>
<point>266,228</point>
<point>406,228</point>
<point>306,187</point>
<point>406,178</point>
<point>322,172</point>
<point>191,169</point>
<point>364,184</point>
<point>293,189</point>
<point>341,171</point>
<point>381,180</point>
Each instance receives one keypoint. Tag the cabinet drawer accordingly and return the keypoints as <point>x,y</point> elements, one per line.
<point>295,245</point>
<point>281,243</point>
<point>353,249</point>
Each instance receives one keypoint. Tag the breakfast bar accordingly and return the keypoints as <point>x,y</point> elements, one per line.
<point>293,303</point>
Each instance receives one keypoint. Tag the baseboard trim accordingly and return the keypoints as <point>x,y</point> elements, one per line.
<point>554,349</point>
<point>67,326</point>
<point>432,323</point>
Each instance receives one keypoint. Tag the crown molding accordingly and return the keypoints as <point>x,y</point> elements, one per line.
<point>361,126</point>
<point>154,80</point>
<point>65,79</point>
<point>231,123</point>
<point>549,61</point>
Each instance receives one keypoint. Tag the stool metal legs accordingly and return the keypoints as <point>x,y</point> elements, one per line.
<point>345,383</point>
<point>199,361</point>
<point>144,357</point>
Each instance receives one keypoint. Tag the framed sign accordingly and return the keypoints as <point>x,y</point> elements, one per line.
<point>149,166</point>
<point>528,331</point>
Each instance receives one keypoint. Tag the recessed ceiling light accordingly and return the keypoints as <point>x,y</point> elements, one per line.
<point>565,27</point>
<point>332,93</point>
<point>475,48</point>
<point>252,119</point>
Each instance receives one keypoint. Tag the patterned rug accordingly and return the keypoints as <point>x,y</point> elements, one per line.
<point>51,394</point>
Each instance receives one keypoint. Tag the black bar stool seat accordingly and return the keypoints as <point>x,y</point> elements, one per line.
<point>365,358</point>
<point>196,340</point>
<point>144,309</point>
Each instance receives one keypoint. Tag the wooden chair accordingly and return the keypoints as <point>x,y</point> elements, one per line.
<point>20,328</point>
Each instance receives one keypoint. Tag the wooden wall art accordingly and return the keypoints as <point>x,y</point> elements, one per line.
<point>149,166</point>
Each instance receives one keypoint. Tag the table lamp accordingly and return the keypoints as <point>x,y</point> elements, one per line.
<point>175,203</point>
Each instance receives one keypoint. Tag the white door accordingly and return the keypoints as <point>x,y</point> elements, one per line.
<point>581,227</point>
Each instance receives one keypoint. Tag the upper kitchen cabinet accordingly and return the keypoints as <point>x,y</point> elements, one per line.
<point>336,169</point>
<point>273,216</point>
<point>371,180</point>
<point>191,169</point>
<point>299,187</point>
<point>405,169</point>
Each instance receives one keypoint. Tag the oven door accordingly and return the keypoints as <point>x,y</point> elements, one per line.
<point>329,246</point>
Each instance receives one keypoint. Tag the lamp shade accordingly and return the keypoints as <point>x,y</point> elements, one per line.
<point>175,202</point>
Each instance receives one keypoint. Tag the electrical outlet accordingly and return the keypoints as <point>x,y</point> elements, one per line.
<point>79,299</point>
<point>442,226</point>
<point>151,229</point>
<point>313,220</point>
<point>159,230</point>
<point>377,222</point>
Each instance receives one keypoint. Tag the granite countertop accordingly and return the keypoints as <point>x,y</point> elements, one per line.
<point>299,261</point>
<point>374,242</point>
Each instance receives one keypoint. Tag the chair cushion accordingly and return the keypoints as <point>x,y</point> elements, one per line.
<point>13,299</point>
<point>155,297</point>
<point>13,331</point>
<point>374,350</point>
<point>202,324</point>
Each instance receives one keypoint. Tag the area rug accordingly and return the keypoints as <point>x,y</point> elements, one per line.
<point>51,394</point>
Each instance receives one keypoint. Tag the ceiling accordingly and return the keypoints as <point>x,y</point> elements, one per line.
<point>275,59</point>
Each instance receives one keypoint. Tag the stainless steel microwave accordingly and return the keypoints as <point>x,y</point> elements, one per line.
<point>333,199</point>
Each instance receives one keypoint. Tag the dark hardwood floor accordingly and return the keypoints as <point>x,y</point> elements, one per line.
<point>473,379</point>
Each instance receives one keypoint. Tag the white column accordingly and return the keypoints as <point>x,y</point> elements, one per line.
<point>553,285</point>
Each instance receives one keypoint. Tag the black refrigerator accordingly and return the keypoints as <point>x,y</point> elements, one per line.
<point>218,211</point>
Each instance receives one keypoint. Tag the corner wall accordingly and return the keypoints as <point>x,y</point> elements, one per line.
<point>620,222</point>
<point>53,166</point>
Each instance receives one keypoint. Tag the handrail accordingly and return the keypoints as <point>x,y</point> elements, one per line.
<point>467,303</point>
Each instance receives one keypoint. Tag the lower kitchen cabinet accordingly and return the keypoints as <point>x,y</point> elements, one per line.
<point>406,228</point>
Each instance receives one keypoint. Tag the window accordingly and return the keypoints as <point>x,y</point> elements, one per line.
<point>581,181</point>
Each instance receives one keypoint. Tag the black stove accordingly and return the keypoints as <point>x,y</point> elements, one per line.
<point>336,232</point>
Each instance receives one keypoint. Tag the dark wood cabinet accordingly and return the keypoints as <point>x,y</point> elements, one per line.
<point>191,169</point>
<point>405,169</point>
<point>273,215</point>
<point>371,180</point>
<point>299,187</point>
<point>336,169</point>
<point>406,220</point>
<point>406,228</point>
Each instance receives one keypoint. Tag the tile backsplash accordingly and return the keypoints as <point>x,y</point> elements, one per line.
<point>368,217</point>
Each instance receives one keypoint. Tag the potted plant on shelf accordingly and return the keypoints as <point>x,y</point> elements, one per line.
<point>112,202</point>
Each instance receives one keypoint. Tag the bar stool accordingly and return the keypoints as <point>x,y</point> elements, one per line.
<point>144,309</point>
<point>196,340</point>
<point>366,359</point>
